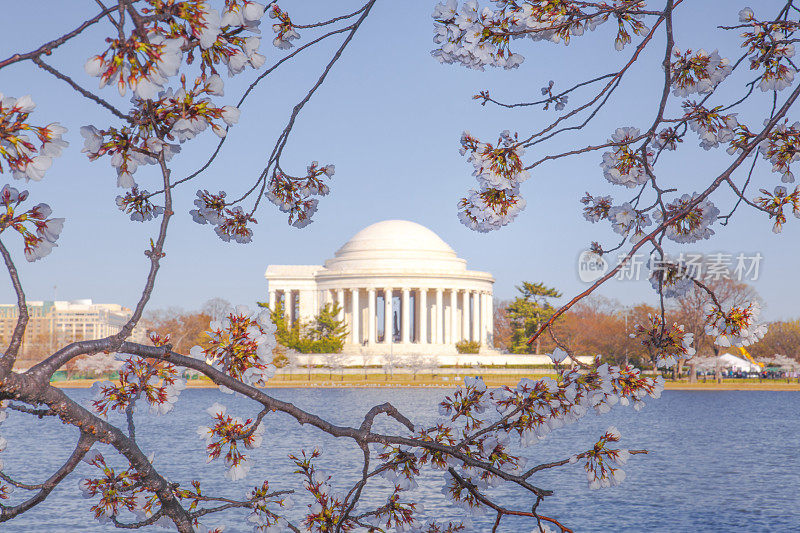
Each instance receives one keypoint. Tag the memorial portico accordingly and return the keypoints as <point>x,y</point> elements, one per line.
<point>400,288</point>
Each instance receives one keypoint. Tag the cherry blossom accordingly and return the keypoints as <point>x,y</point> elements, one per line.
<point>782,148</point>
<point>771,49</point>
<point>39,232</point>
<point>283,28</point>
<point>226,434</point>
<point>499,171</point>
<point>143,65</point>
<point>295,195</point>
<point>623,165</point>
<point>735,327</point>
<point>603,464</point>
<point>666,344</point>
<point>712,126</point>
<point>596,207</point>
<point>241,345</point>
<point>137,204</point>
<point>22,156</point>
<point>777,201</point>
<point>626,220</point>
<point>118,490</point>
<point>155,382</point>
<point>667,139</point>
<point>698,73</point>
<point>669,277</point>
<point>693,221</point>
<point>230,223</point>
<point>478,37</point>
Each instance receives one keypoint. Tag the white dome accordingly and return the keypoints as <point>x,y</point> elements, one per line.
<point>396,244</point>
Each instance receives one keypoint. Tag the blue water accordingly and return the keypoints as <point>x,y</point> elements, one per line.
<point>719,461</point>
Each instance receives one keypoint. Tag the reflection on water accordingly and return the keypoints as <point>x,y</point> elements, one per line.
<point>719,461</point>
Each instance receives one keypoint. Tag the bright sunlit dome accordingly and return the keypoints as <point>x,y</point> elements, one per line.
<point>396,244</point>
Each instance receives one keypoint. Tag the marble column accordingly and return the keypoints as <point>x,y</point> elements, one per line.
<point>482,329</point>
<point>371,319</point>
<point>287,306</point>
<point>387,316</point>
<point>422,316</point>
<point>406,316</point>
<point>465,316</point>
<point>272,300</point>
<point>356,311</point>
<point>452,338</point>
<point>438,321</point>
<point>489,319</point>
<point>340,301</point>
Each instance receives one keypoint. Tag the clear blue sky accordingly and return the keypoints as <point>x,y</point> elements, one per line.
<point>389,117</point>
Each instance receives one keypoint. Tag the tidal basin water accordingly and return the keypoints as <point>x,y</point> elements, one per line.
<point>719,461</point>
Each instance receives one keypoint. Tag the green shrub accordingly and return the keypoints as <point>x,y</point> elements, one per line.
<point>468,346</point>
<point>324,334</point>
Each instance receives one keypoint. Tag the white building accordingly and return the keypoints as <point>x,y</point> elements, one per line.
<point>435,301</point>
<point>54,323</point>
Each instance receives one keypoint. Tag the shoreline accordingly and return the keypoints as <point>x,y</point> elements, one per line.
<point>423,383</point>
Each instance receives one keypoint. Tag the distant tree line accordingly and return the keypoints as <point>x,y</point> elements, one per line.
<point>599,325</point>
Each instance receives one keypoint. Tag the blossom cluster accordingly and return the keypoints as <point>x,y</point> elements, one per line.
<point>735,327</point>
<point>226,434</point>
<point>781,147</point>
<point>771,50</point>
<point>284,30</point>
<point>155,381</point>
<point>180,115</point>
<point>693,218</point>
<point>145,60</point>
<point>263,517</point>
<point>473,38</point>
<point>777,201</point>
<point>698,72</point>
<point>241,345</point>
<point>670,278</point>
<point>39,232</point>
<point>127,148</point>
<point>294,195</point>
<point>229,223</point>
<point>328,507</point>
<point>627,220</point>
<point>710,125</point>
<point>395,514</point>
<point>22,156</point>
<point>667,139</point>
<point>603,465</point>
<point>137,204</point>
<point>665,344</point>
<point>624,165</point>
<point>118,491</point>
<point>560,101</point>
<point>478,37</point>
<point>596,208</point>
<point>143,64</point>
<point>484,425</point>
<point>499,171</point>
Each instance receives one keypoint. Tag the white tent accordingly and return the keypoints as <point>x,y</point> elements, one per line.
<point>725,361</point>
<point>728,360</point>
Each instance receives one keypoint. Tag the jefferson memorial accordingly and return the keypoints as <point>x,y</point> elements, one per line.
<point>401,290</point>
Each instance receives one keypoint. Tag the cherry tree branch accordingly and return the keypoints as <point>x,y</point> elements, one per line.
<point>10,355</point>
<point>91,96</point>
<point>48,47</point>
<point>85,442</point>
